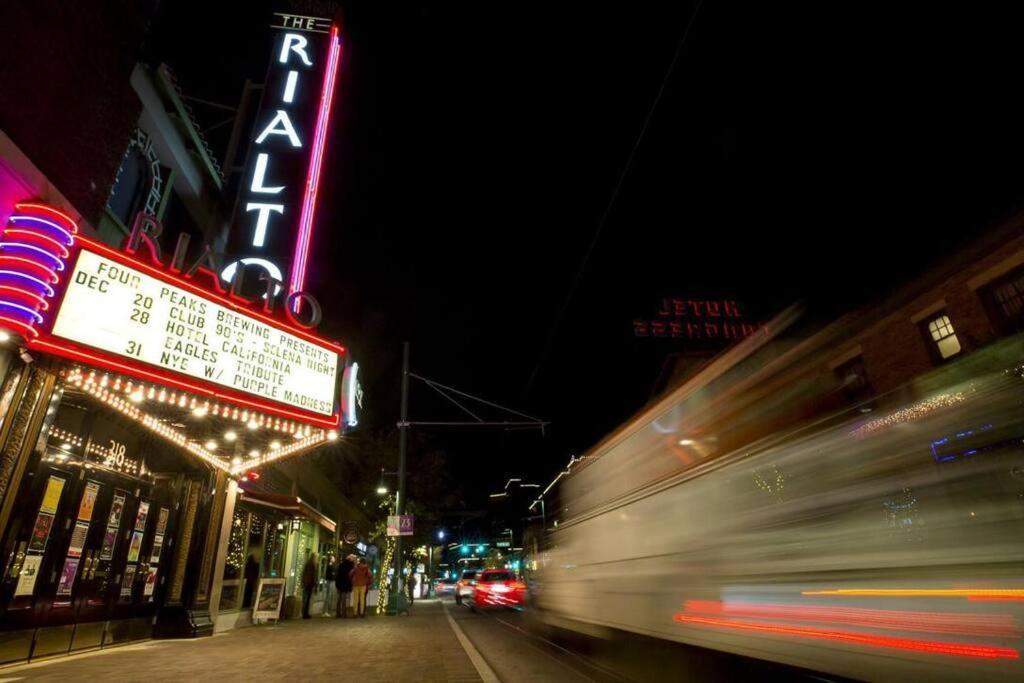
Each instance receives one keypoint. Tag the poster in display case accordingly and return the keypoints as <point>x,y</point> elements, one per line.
<point>28,576</point>
<point>128,582</point>
<point>135,547</point>
<point>67,577</point>
<point>51,498</point>
<point>109,542</point>
<point>116,508</point>
<point>141,516</point>
<point>85,508</point>
<point>40,533</point>
<point>78,538</point>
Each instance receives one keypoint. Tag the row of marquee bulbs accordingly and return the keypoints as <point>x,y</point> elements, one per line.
<point>305,437</point>
<point>139,392</point>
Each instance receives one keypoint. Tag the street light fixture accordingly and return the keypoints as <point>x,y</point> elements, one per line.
<point>382,488</point>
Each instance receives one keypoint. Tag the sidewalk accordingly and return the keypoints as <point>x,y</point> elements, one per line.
<point>418,647</point>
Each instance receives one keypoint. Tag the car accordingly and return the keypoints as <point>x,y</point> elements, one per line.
<point>464,587</point>
<point>443,587</point>
<point>498,588</point>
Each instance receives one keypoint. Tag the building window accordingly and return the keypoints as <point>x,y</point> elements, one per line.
<point>939,330</point>
<point>1006,301</point>
<point>853,382</point>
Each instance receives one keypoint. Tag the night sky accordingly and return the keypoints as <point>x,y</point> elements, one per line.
<point>809,152</point>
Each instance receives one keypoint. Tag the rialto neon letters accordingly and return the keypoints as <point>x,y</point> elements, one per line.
<point>275,213</point>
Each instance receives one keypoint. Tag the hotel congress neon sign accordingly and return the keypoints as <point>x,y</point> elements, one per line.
<point>76,298</point>
<point>275,215</point>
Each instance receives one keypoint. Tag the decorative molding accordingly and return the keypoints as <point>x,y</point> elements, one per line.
<point>996,271</point>
<point>928,310</point>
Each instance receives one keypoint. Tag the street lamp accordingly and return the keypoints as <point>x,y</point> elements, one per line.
<point>382,488</point>
<point>440,535</point>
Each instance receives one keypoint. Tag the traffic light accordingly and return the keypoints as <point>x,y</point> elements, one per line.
<point>465,549</point>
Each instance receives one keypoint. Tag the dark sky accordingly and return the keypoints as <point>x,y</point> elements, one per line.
<point>813,151</point>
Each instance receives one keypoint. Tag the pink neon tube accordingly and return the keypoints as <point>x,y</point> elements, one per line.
<point>298,274</point>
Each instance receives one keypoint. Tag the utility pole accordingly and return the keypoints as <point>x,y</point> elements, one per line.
<point>403,429</point>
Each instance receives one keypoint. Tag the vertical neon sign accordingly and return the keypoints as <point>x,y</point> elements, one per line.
<point>276,209</point>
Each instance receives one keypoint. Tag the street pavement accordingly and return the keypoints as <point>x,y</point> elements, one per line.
<point>420,647</point>
<point>437,642</point>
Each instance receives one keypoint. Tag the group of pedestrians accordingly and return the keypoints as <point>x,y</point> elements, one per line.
<point>352,578</point>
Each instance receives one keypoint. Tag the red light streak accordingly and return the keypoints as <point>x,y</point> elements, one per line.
<point>909,644</point>
<point>999,625</point>
<point>305,236</point>
<point>923,592</point>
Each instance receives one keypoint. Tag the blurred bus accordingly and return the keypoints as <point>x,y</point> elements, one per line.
<point>753,510</point>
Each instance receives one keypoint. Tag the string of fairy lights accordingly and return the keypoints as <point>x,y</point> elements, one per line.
<point>126,396</point>
<point>914,412</point>
<point>385,584</point>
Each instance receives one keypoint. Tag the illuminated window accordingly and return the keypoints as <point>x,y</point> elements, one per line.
<point>940,331</point>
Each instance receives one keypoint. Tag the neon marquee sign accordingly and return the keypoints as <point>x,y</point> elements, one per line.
<point>73,297</point>
<point>274,218</point>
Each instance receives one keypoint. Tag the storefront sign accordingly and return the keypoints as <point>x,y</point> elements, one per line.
<point>164,321</point>
<point>705,320</point>
<point>274,218</point>
<point>129,313</point>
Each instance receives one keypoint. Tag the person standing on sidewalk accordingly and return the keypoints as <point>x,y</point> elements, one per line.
<point>410,587</point>
<point>362,577</point>
<point>308,584</point>
<point>329,585</point>
<point>343,580</point>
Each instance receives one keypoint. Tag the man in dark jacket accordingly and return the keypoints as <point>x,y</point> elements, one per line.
<point>308,584</point>
<point>343,580</point>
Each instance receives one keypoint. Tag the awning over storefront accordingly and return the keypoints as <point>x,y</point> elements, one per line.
<point>287,504</point>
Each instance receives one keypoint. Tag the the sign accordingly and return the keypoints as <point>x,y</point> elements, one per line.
<point>503,544</point>
<point>705,320</point>
<point>274,217</point>
<point>269,594</point>
<point>400,525</point>
<point>164,321</point>
<point>133,315</point>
